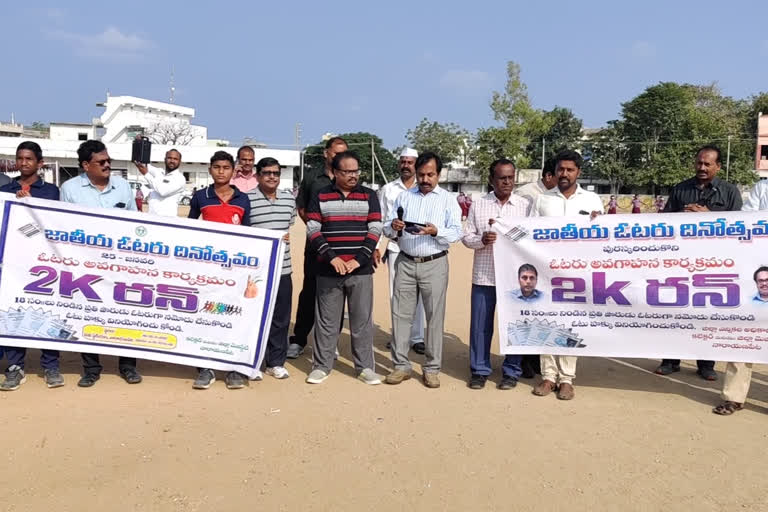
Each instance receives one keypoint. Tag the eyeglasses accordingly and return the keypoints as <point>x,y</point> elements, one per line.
<point>274,174</point>
<point>352,172</point>
<point>102,163</point>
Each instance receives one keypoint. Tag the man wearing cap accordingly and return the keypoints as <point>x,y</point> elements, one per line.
<point>388,194</point>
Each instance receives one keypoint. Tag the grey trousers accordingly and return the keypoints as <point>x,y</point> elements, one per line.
<point>328,310</point>
<point>430,281</point>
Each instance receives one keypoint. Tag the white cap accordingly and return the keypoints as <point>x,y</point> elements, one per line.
<point>409,152</point>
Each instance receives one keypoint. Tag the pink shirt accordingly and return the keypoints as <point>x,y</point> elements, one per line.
<point>489,207</point>
<point>245,183</point>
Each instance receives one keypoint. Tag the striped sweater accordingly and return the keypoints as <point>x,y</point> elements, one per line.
<point>348,227</point>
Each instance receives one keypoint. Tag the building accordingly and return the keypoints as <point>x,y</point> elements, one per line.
<point>761,154</point>
<point>124,117</point>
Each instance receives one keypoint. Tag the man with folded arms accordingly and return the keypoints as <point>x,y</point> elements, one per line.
<point>478,235</point>
<point>421,269</point>
<point>343,228</point>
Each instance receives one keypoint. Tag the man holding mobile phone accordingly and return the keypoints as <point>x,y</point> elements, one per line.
<point>422,266</point>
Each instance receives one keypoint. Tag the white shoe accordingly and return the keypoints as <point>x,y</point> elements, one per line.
<point>369,377</point>
<point>316,376</point>
<point>278,372</point>
<point>294,351</point>
<point>257,376</point>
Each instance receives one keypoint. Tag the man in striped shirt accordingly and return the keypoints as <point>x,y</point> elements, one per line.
<point>275,209</point>
<point>431,222</point>
<point>479,236</point>
<point>343,228</point>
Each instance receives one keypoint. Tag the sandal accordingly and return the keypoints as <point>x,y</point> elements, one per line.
<point>727,408</point>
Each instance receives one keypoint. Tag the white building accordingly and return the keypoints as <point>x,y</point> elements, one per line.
<point>125,117</point>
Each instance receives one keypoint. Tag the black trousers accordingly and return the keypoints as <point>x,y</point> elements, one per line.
<point>91,363</point>
<point>277,344</point>
<point>305,309</point>
<point>701,363</point>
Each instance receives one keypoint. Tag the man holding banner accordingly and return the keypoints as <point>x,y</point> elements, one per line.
<point>97,188</point>
<point>568,199</point>
<point>479,236</point>
<point>738,376</point>
<point>705,192</point>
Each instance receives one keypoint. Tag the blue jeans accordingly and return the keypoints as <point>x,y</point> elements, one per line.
<point>481,332</point>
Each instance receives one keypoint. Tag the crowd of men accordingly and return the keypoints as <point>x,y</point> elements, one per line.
<point>351,230</point>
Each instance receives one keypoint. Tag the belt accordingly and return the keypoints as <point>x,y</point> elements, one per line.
<point>424,259</point>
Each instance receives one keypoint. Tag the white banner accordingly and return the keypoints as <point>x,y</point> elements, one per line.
<point>678,286</point>
<point>132,284</point>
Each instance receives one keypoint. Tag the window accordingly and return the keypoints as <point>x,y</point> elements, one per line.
<point>764,152</point>
<point>82,136</point>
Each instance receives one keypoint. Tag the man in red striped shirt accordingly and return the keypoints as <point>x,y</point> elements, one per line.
<point>343,227</point>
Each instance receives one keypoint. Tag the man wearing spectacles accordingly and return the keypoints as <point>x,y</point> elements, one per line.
<point>479,236</point>
<point>705,192</point>
<point>344,225</point>
<point>97,188</point>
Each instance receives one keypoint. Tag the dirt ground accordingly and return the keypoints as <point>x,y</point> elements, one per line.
<point>630,440</point>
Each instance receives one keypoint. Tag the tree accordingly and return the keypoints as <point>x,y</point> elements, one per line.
<point>171,134</point>
<point>607,155</point>
<point>42,127</point>
<point>360,143</point>
<point>561,130</point>
<point>449,140</point>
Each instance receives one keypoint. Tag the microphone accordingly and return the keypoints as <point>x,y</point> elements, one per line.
<point>400,212</point>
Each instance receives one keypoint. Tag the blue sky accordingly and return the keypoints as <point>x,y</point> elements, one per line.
<point>257,68</point>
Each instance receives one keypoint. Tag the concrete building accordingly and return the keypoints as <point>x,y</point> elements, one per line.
<point>124,117</point>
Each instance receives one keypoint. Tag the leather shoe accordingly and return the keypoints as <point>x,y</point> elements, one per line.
<point>88,380</point>
<point>477,381</point>
<point>431,380</point>
<point>507,383</point>
<point>565,391</point>
<point>544,388</point>
<point>130,375</point>
<point>419,348</point>
<point>397,376</point>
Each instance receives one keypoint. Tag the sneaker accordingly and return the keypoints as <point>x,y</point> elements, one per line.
<point>707,374</point>
<point>53,378</point>
<point>477,381</point>
<point>130,375</point>
<point>14,378</point>
<point>257,376</point>
<point>369,377</point>
<point>316,376</point>
<point>507,382</point>
<point>235,381</point>
<point>397,376</point>
<point>419,348</point>
<point>278,372</point>
<point>431,380</point>
<point>294,351</point>
<point>88,380</point>
<point>667,369</point>
<point>204,379</point>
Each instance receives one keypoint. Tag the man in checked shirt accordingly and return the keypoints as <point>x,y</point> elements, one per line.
<point>478,236</point>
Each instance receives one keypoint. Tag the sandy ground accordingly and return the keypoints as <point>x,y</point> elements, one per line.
<point>630,440</point>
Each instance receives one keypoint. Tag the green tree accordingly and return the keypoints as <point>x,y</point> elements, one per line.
<point>43,127</point>
<point>448,140</point>
<point>561,130</point>
<point>360,143</point>
<point>607,156</point>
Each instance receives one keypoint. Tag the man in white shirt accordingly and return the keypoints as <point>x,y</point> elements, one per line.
<point>387,196</point>
<point>166,187</point>
<point>568,199</point>
<point>546,183</point>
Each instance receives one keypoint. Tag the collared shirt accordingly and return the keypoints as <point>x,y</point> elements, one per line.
<point>117,193</point>
<point>553,203</point>
<point>486,208</point>
<point>310,186</point>
<point>717,196</point>
<point>757,198</point>
<point>278,214</point>
<point>757,300</point>
<point>243,182</point>
<point>388,194</point>
<point>207,204</point>
<point>517,296</point>
<point>532,190</point>
<point>438,207</point>
<point>348,227</point>
<point>39,189</point>
<point>166,190</point>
